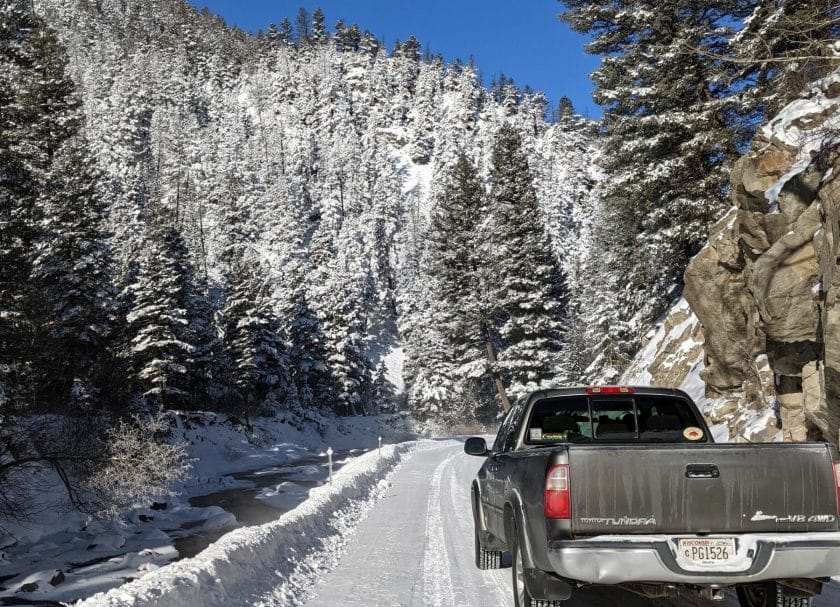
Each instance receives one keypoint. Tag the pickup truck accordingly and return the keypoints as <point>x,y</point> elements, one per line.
<point>625,486</point>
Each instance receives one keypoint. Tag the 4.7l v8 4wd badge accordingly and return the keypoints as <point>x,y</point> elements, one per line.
<point>793,518</point>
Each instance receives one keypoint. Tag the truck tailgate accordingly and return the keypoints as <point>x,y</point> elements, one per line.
<point>724,488</point>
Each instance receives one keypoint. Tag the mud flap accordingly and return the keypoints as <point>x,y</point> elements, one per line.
<point>545,586</point>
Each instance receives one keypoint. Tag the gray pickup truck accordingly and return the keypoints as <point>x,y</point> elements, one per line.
<point>625,486</point>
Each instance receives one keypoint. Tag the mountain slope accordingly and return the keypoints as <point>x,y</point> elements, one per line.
<point>318,160</point>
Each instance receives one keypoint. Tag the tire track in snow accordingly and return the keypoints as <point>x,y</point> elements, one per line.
<point>480,587</point>
<point>437,583</point>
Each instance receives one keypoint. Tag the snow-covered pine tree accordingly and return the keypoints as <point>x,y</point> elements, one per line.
<point>72,294</point>
<point>783,46</point>
<point>457,267</point>
<point>319,29</point>
<point>160,353</point>
<point>563,162</point>
<point>303,27</point>
<point>345,330</point>
<point>258,364</point>
<point>50,109</point>
<point>523,280</point>
<point>667,149</point>
<point>207,379</point>
<point>286,33</point>
<point>384,391</point>
<point>429,369</point>
<point>18,212</point>
<point>72,274</point>
<point>314,384</point>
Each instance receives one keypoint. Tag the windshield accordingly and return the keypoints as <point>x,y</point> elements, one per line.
<point>581,419</point>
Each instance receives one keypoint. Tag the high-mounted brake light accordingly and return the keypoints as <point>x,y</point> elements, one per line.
<point>558,500</point>
<point>837,483</point>
<point>609,390</point>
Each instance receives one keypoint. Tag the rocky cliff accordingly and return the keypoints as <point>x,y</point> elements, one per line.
<point>764,291</point>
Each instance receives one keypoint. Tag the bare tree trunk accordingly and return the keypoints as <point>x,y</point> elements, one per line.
<point>491,358</point>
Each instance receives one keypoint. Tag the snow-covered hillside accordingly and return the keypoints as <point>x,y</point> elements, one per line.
<point>321,162</point>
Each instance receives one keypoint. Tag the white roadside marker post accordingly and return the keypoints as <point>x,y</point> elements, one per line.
<point>329,461</point>
<point>380,446</point>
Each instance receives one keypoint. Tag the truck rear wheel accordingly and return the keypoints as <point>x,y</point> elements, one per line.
<point>486,559</point>
<point>521,598</point>
<point>768,594</point>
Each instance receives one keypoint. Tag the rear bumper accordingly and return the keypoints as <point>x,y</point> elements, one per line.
<point>621,559</point>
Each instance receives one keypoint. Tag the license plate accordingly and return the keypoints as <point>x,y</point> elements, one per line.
<point>707,551</point>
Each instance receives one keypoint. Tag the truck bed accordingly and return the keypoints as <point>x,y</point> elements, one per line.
<point>708,488</point>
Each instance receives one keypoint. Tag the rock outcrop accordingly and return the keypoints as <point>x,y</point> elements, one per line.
<point>766,286</point>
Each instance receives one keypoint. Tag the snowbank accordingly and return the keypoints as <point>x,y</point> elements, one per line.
<point>279,559</point>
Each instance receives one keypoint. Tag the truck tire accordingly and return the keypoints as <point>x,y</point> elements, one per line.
<point>521,598</point>
<point>768,594</point>
<point>486,559</point>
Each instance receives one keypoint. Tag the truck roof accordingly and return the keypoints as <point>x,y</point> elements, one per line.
<point>586,391</point>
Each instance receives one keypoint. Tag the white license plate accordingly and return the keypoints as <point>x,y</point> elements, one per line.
<point>707,551</point>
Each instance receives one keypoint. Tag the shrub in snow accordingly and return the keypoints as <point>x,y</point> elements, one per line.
<point>138,467</point>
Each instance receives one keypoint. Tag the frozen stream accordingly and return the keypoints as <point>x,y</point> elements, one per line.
<point>72,564</point>
<point>259,496</point>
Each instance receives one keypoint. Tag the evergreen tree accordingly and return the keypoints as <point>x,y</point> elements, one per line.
<point>369,44</point>
<point>48,101</point>
<point>345,330</point>
<point>565,109</point>
<point>286,34</point>
<point>667,149</point>
<point>310,372</point>
<point>384,391</point>
<point>18,211</point>
<point>303,26</point>
<point>160,353</point>
<point>254,347</point>
<point>207,375</point>
<point>319,30</point>
<point>60,317</point>
<point>72,274</point>
<point>410,49</point>
<point>524,280</point>
<point>273,35</point>
<point>347,39</point>
<point>458,266</point>
<point>783,46</point>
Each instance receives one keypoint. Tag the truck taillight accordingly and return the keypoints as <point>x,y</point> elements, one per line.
<point>837,483</point>
<point>558,502</point>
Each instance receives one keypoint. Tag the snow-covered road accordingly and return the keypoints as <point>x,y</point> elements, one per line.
<point>415,549</point>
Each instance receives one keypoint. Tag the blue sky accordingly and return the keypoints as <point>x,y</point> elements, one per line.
<point>523,40</point>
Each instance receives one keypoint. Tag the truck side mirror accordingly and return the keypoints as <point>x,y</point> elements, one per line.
<point>475,446</point>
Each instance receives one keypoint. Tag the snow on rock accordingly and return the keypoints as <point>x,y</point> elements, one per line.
<point>808,126</point>
<point>673,350</point>
<point>280,558</point>
<point>673,357</point>
<point>765,287</point>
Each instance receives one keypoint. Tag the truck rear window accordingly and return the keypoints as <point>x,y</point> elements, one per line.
<point>576,419</point>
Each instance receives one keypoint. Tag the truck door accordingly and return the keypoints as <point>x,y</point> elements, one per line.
<point>499,466</point>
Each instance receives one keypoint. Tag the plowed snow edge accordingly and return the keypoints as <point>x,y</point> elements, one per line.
<point>273,563</point>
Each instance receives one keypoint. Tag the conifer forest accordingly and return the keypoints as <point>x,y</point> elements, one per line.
<point>306,224</point>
